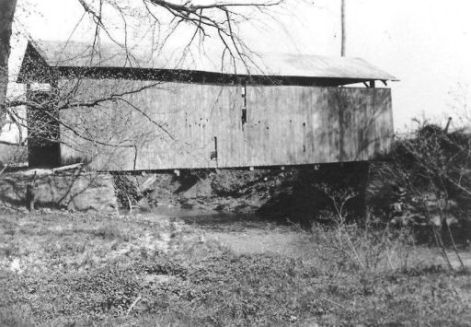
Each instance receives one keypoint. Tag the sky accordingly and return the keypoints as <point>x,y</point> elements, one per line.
<point>424,43</point>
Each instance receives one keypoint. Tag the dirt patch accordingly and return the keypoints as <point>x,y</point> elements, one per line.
<point>290,193</point>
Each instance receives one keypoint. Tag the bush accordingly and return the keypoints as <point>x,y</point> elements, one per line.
<point>127,192</point>
<point>426,181</point>
<point>366,248</point>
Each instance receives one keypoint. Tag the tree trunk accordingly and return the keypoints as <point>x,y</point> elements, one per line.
<point>7,11</point>
<point>344,36</point>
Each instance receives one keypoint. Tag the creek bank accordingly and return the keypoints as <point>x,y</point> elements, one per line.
<point>72,189</point>
<point>292,193</point>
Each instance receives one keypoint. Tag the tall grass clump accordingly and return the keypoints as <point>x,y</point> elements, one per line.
<point>367,245</point>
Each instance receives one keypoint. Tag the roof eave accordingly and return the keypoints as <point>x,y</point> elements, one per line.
<point>46,68</point>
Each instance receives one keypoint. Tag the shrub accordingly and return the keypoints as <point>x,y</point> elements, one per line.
<point>426,181</point>
<point>126,190</point>
<point>424,178</point>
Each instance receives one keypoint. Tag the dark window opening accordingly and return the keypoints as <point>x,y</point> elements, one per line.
<point>43,130</point>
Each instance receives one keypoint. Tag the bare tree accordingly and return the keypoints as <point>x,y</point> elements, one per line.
<point>7,11</point>
<point>218,18</point>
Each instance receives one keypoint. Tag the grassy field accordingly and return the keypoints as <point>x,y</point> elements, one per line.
<point>62,269</point>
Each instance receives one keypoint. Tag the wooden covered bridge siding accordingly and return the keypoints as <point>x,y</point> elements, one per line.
<point>286,125</point>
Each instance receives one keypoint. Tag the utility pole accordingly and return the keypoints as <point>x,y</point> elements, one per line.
<point>342,22</point>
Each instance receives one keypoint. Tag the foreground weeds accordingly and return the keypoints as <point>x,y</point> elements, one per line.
<point>82,270</point>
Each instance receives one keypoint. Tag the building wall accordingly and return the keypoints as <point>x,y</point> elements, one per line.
<point>178,125</point>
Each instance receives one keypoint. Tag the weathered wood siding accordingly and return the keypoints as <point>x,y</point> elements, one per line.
<point>178,125</point>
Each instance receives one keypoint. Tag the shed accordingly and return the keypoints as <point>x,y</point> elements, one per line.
<point>121,111</point>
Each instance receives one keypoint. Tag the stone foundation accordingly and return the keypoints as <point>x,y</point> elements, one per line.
<point>74,190</point>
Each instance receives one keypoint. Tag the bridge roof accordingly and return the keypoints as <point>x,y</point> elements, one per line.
<point>74,55</point>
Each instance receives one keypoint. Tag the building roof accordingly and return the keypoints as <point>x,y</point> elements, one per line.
<point>73,55</point>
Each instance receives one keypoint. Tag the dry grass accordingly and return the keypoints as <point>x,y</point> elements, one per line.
<point>61,269</point>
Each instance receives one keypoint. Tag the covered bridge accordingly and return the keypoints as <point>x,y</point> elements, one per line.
<point>121,112</point>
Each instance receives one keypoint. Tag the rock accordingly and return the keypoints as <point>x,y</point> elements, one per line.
<point>143,204</point>
<point>15,265</point>
<point>147,186</point>
<point>72,190</point>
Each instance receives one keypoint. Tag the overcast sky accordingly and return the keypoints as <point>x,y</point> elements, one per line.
<point>425,43</point>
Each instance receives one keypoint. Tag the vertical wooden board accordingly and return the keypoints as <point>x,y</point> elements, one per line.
<point>249,128</point>
<point>313,121</point>
<point>365,126</point>
<point>328,144</point>
<point>356,114</point>
<point>276,123</point>
<point>214,123</point>
<point>372,115</point>
<point>185,151</point>
<point>266,149</point>
<point>278,119</point>
<point>238,145</point>
<point>303,108</point>
<point>387,125</point>
<point>328,131</point>
<point>298,109</point>
<point>265,109</point>
<point>286,125</point>
<point>362,129</point>
<point>267,128</point>
<point>228,138</point>
<point>292,106</point>
<point>258,123</point>
<point>259,120</point>
<point>226,129</point>
<point>290,141</point>
<point>354,105</point>
<point>349,106</point>
<point>218,124</point>
<point>224,139</point>
<point>381,105</point>
<point>199,105</point>
<point>237,133</point>
<point>306,131</point>
<point>311,118</point>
